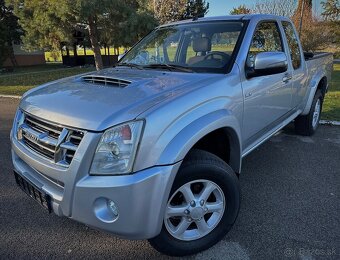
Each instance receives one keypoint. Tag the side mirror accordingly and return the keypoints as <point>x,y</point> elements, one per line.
<point>267,63</point>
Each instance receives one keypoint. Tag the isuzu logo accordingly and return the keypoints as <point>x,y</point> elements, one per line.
<point>31,137</point>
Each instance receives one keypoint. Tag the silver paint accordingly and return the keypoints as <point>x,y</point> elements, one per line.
<point>179,109</point>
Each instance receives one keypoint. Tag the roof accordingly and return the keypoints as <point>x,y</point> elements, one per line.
<point>230,18</point>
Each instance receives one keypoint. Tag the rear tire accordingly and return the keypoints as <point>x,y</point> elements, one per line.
<point>204,174</point>
<point>306,125</point>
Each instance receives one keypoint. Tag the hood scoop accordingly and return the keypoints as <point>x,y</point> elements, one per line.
<point>106,81</point>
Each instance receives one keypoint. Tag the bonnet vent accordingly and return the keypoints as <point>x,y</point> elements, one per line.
<point>106,81</point>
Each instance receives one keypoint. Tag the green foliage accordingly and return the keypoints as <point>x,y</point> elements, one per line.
<point>49,24</point>
<point>169,11</point>
<point>196,8</point>
<point>9,31</point>
<point>331,15</point>
<point>4,48</point>
<point>125,23</point>
<point>46,23</point>
<point>241,9</point>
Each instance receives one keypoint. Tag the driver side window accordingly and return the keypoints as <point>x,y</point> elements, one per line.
<point>266,38</point>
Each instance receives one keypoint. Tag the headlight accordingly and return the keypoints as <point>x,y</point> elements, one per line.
<point>116,150</point>
<point>18,120</point>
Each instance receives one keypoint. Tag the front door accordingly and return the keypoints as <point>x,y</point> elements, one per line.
<point>267,99</point>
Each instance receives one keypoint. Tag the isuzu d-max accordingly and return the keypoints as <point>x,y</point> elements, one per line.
<point>152,148</point>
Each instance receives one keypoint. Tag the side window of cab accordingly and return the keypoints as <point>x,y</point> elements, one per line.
<point>293,44</point>
<point>266,38</point>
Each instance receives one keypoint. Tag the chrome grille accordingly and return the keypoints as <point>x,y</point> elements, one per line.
<point>54,142</point>
<point>115,82</point>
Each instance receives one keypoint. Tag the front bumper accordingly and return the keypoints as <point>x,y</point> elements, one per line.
<point>140,197</point>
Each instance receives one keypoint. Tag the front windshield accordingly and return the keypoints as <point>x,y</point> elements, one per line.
<point>199,47</point>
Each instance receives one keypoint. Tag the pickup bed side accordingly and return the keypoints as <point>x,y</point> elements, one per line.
<point>319,70</point>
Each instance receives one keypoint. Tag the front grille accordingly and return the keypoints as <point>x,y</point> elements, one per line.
<point>107,81</point>
<point>51,141</point>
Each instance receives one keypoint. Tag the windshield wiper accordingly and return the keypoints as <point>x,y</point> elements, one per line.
<point>130,65</point>
<point>171,67</point>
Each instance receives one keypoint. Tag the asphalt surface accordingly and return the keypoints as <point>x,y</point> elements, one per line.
<point>290,207</point>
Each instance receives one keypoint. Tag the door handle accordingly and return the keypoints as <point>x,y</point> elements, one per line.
<point>249,94</point>
<point>287,77</point>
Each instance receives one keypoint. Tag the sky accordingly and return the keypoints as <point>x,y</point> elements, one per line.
<point>223,7</point>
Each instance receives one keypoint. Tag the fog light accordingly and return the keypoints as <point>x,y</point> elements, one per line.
<point>112,206</point>
<point>106,210</point>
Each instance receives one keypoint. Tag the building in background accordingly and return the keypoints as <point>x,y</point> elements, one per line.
<point>24,58</point>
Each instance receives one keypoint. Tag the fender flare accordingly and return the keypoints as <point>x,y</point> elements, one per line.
<point>182,143</point>
<point>314,83</point>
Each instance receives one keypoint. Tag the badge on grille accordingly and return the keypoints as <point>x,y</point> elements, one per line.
<point>31,137</point>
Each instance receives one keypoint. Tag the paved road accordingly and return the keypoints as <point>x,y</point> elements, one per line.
<point>290,207</point>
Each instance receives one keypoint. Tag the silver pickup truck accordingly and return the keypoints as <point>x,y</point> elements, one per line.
<point>152,148</point>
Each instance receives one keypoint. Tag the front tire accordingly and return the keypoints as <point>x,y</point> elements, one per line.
<point>306,125</point>
<point>203,205</point>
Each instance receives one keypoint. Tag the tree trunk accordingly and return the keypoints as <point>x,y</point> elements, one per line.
<point>95,44</point>
<point>12,56</point>
<point>75,52</point>
<point>108,55</point>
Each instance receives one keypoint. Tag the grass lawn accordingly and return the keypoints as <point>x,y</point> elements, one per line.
<point>331,105</point>
<point>23,79</point>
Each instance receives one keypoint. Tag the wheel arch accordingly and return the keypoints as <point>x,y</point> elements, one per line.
<point>319,82</point>
<point>213,127</point>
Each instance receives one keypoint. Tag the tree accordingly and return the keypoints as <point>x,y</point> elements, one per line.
<point>125,22</point>
<point>241,9</point>
<point>331,10</point>
<point>275,7</point>
<point>10,31</point>
<point>195,8</point>
<point>331,15</point>
<point>314,33</point>
<point>49,23</point>
<point>126,25</point>
<point>169,11</point>
<point>46,23</point>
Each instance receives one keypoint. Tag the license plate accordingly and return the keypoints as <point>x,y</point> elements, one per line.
<point>34,192</point>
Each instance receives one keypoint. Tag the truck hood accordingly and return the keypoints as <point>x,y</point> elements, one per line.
<point>95,106</point>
